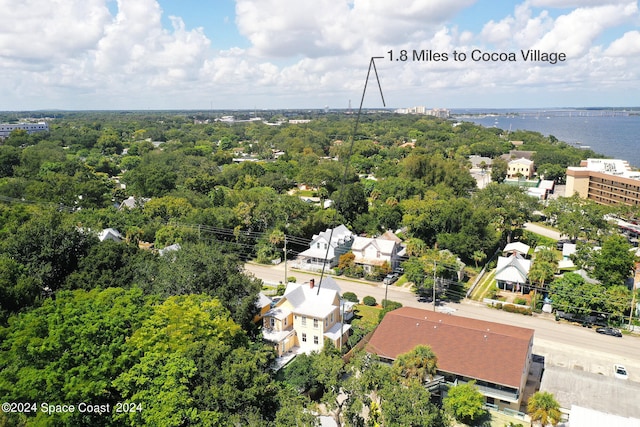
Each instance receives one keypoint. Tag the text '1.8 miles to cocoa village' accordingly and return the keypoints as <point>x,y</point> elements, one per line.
<point>476,55</point>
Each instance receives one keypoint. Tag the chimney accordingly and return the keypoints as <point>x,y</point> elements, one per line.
<point>312,283</point>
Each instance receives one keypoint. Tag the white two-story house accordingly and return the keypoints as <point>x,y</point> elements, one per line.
<point>325,248</point>
<point>370,253</point>
<point>306,316</point>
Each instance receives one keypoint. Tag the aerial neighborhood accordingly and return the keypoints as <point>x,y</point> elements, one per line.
<point>221,268</point>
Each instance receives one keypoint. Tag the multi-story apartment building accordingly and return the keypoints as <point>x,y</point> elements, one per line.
<point>7,128</point>
<point>496,356</point>
<point>605,181</point>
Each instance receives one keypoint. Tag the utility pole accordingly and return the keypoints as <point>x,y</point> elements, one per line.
<point>633,293</point>
<point>341,322</point>
<point>434,285</point>
<point>285,260</point>
<point>386,289</point>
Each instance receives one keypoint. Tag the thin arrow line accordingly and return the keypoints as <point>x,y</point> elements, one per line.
<point>372,64</point>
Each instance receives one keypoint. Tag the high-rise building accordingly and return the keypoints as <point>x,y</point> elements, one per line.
<point>605,181</point>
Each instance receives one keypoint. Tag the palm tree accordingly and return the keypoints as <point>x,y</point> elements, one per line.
<point>544,408</point>
<point>478,256</point>
<point>542,270</point>
<point>420,364</point>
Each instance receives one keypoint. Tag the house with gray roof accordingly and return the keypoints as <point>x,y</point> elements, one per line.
<point>325,249</point>
<point>110,234</point>
<point>512,272</point>
<point>517,247</point>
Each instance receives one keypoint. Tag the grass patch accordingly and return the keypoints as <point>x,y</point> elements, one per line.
<point>367,314</point>
<point>401,281</point>
<point>483,287</point>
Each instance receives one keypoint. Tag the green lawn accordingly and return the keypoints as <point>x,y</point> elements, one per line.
<point>483,287</point>
<point>367,314</point>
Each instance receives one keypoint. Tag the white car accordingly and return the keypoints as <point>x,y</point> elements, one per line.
<point>620,371</point>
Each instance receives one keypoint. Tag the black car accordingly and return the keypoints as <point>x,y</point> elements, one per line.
<point>609,331</point>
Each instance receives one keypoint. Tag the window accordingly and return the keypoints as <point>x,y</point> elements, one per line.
<point>315,339</point>
<point>273,322</point>
<point>304,337</point>
<point>318,245</point>
<point>331,317</point>
<point>304,321</point>
<point>315,323</point>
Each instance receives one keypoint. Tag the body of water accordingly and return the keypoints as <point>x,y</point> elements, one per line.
<point>613,133</point>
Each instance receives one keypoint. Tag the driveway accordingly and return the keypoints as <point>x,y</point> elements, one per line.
<point>543,231</point>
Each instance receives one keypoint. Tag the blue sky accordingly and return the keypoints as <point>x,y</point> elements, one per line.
<point>194,54</point>
<point>216,17</point>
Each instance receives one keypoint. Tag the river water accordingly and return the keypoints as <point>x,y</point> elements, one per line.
<point>613,133</point>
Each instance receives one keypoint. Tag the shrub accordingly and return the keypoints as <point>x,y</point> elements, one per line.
<point>369,300</point>
<point>350,296</point>
<point>390,305</point>
<point>513,309</point>
<point>291,279</point>
<point>520,301</point>
<point>387,306</point>
<point>510,308</point>
<point>499,306</point>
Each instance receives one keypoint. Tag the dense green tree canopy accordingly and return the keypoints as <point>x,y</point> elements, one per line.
<point>465,403</point>
<point>614,262</point>
<point>70,350</point>
<point>105,320</point>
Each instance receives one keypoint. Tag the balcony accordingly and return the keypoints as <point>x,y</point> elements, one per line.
<point>506,394</point>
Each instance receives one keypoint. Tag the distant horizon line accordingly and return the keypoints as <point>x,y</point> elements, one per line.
<point>308,109</point>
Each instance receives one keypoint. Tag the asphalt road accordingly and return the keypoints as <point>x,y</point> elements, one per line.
<point>561,344</point>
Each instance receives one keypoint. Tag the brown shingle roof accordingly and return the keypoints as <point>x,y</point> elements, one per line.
<point>472,348</point>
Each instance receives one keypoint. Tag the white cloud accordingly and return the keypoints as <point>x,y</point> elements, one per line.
<point>315,28</point>
<point>564,4</point>
<point>35,31</point>
<point>302,53</point>
<point>626,46</point>
<point>575,32</point>
<point>135,43</point>
<point>288,28</point>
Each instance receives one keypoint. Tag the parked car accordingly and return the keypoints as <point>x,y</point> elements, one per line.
<point>620,372</point>
<point>390,279</point>
<point>609,331</point>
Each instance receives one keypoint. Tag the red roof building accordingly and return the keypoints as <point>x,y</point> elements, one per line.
<point>496,356</point>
